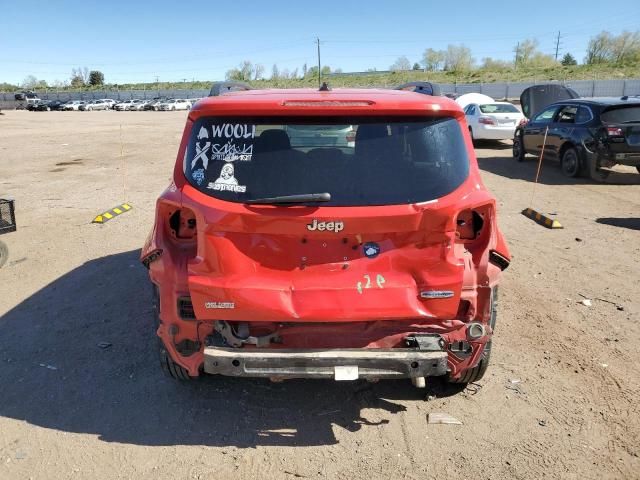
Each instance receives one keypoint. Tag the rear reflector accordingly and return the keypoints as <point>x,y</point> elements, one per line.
<point>185,308</point>
<point>328,103</point>
<point>498,260</point>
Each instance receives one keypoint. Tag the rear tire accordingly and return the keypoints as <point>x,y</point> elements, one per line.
<point>638,168</point>
<point>171,368</point>
<point>476,373</point>
<point>4,253</point>
<point>570,163</point>
<point>518,148</point>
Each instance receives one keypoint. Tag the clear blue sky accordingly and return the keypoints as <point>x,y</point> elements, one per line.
<point>135,41</point>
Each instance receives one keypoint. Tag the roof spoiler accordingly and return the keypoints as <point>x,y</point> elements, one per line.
<point>220,88</point>
<point>426,88</point>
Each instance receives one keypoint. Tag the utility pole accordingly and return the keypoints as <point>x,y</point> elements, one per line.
<point>158,85</point>
<point>515,62</point>
<point>319,65</point>
<point>557,45</point>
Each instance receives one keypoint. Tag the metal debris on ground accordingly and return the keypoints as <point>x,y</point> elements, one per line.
<point>50,367</point>
<point>618,306</point>
<point>586,302</point>
<point>438,418</point>
<point>542,423</point>
<point>104,344</point>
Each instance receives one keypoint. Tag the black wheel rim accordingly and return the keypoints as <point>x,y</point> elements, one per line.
<point>570,163</point>
<point>516,148</point>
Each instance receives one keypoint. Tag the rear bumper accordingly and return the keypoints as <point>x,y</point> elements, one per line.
<point>338,364</point>
<point>489,132</point>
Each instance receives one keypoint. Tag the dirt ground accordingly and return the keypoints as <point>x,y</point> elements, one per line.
<point>560,399</point>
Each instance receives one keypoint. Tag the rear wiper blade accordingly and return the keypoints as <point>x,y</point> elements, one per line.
<point>303,198</point>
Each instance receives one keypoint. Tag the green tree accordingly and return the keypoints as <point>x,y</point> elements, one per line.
<point>458,58</point>
<point>30,82</point>
<point>416,66</point>
<point>568,60</point>
<point>432,59</point>
<point>96,77</point>
<point>401,64</point>
<point>599,49</point>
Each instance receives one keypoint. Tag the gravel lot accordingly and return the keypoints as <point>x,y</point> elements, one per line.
<point>559,401</point>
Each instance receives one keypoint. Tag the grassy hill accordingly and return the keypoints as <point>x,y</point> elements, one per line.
<point>388,79</point>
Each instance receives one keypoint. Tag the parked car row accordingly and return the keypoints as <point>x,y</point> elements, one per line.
<point>163,104</point>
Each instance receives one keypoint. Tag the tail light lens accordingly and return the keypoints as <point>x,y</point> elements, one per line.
<point>615,132</point>
<point>523,122</point>
<point>351,136</point>
<point>486,121</point>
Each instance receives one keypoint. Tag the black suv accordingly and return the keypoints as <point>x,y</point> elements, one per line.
<point>584,134</point>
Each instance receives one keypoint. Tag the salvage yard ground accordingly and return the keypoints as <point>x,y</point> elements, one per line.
<point>83,395</point>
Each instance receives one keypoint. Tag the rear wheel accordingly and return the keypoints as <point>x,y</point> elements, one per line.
<point>476,373</point>
<point>171,368</point>
<point>638,168</point>
<point>570,163</point>
<point>4,253</point>
<point>518,148</point>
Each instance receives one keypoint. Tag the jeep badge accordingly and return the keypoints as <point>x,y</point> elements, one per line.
<point>322,226</point>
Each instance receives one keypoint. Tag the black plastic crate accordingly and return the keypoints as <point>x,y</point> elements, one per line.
<point>7,216</point>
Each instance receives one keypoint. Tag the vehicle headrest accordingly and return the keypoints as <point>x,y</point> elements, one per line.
<point>272,140</point>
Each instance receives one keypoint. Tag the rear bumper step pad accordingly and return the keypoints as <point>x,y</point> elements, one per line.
<point>339,364</point>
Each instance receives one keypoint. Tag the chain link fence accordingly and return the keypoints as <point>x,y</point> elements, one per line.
<point>499,91</point>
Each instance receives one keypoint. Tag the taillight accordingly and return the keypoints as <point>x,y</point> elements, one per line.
<point>351,136</point>
<point>486,121</point>
<point>523,122</point>
<point>614,132</point>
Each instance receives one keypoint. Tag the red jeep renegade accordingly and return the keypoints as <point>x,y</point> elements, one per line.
<point>337,234</point>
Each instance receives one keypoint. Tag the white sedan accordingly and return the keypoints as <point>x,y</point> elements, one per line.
<point>122,105</point>
<point>137,105</point>
<point>492,121</point>
<point>72,105</point>
<point>175,104</point>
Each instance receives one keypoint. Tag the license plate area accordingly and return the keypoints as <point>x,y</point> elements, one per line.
<point>345,373</point>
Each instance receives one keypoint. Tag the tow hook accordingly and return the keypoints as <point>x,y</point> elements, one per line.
<point>242,337</point>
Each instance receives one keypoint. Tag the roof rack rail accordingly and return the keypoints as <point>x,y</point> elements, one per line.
<point>220,88</point>
<point>427,88</point>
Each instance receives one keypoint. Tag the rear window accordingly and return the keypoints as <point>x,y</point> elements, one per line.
<point>498,108</point>
<point>358,161</point>
<point>622,114</point>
